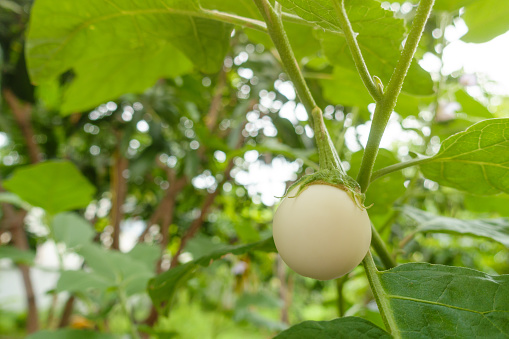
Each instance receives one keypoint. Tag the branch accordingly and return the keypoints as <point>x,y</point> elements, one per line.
<point>198,222</point>
<point>351,40</point>
<point>216,103</point>
<point>15,219</point>
<point>22,114</point>
<point>399,166</point>
<point>119,192</point>
<point>280,39</point>
<point>385,107</point>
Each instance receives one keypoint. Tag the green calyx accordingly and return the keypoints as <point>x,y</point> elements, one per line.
<point>331,177</point>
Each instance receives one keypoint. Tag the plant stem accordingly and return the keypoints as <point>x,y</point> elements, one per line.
<point>399,166</point>
<point>360,64</point>
<point>123,305</point>
<point>327,152</point>
<point>380,248</point>
<point>232,19</point>
<point>340,283</point>
<point>380,296</point>
<point>385,107</point>
<point>277,33</point>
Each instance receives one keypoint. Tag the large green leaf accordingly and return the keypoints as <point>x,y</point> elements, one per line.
<point>162,287</point>
<point>486,20</point>
<point>493,229</point>
<point>13,199</point>
<point>81,281</point>
<point>55,186</point>
<point>476,160</point>
<point>70,334</point>
<point>72,229</point>
<point>107,44</point>
<point>341,328</point>
<point>383,192</point>
<point>129,271</point>
<point>435,301</point>
<point>16,255</point>
<point>470,106</point>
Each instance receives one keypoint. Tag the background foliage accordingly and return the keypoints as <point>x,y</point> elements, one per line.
<point>143,142</point>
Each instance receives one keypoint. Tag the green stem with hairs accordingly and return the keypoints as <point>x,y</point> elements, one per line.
<point>379,245</point>
<point>385,107</point>
<point>381,296</point>
<point>351,40</point>
<point>399,166</point>
<point>327,153</point>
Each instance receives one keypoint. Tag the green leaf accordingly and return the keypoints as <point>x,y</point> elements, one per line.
<point>72,229</point>
<point>162,287</point>
<point>81,281</point>
<point>118,268</point>
<point>14,200</point>
<point>107,44</point>
<point>70,334</point>
<point>476,160</point>
<point>341,328</point>
<point>16,255</point>
<point>435,301</point>
<point>493,229</point>
<point>488,204</point>
<point>470,106</point>
<point>486,20</point>
<point>56,186</point>
<point>106,77</point>
<point>383,192</point>
<point>145,253</point>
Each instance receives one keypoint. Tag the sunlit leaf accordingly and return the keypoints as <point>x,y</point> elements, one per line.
<point>55,186</point>
<point>107,44</point>
<point>493,229</point>
<point>476,160</point>
<point>470,106</point>
<point>486,19</point>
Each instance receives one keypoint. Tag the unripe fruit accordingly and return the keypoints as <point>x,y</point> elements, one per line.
<point>321,233</point>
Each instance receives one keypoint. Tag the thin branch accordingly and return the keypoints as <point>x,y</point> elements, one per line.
<point>399,166</point>
<point>216,103</point>
<point>233,19</point>
<point>198,222</point>
<point>379,245</point>
<point>351,40</point>
<point>67,312</point>
<point>15,219</point>
<point>119,192</point>
<point>22,113</point>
